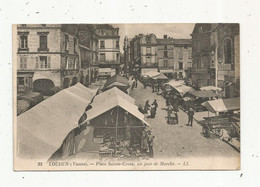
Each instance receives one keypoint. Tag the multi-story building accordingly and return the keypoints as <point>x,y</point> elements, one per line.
<point>216,57</point>
<point>143,53</point>
<point>182,57</point>
<point>174,56</point>
<point>88,44</point>
<point>47,56</point>
<point>126,48</point>
<point>109,51</point>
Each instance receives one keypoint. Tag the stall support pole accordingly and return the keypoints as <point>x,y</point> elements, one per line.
<point>116,121</point>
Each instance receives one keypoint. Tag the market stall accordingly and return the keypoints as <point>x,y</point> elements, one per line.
<point>117,81</point>
<point>41,131</point>
<point>117,125</point>
<point>197,98</point>
<point>223,105</point>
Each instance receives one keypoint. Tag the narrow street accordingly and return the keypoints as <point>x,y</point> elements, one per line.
<point>179,140</point>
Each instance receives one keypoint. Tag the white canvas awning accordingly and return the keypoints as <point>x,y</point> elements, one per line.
<point>102,97</point>
<point>183,89</point>
<point>151,74</point>
<point>174,83</point>
<point>100,108</point>
<point>42,129</point>
<point>223,105</point>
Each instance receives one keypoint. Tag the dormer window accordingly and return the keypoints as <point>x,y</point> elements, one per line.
<point>101,32</point>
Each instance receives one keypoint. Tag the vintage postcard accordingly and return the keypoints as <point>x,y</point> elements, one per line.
<point>126,96</point>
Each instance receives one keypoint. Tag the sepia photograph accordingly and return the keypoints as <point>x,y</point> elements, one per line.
<point>126,96</point>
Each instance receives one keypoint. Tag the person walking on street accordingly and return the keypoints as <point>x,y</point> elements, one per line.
<point>153,86</point>
<point>169,112</point>
<point>146,106</point>
<point>155,104</point>
<point>152,110</point>
<point>190,116</point>
<point>144,142</point>
<point>150,143</point>
<point>176,109</point>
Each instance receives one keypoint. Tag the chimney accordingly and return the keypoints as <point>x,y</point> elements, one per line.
<point>164,36</point>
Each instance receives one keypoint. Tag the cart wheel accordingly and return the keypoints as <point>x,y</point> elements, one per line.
<point>219,132</point>
<point>205,132</point>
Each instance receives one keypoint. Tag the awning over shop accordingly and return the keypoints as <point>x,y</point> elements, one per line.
<point>151,74</point>
<point>183,89</point>
<point>174,83</point>
<point>213,88</point>
<point>42,129</point>
<point>166,71</point>
<point>160,77</point>
<point>223,105</point>
<point>202,94</point>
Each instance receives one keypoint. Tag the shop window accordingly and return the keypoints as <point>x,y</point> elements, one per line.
<point>102,57</point>
<point>20,80</point>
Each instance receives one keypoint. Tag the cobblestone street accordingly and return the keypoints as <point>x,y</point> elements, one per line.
<point>179,140</point>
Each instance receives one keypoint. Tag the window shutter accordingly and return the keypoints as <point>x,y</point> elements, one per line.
<point>25,62</point>
<point>41,63</point>
<point>21,62</point>
<point>37,62</point>
<point>48,62</point>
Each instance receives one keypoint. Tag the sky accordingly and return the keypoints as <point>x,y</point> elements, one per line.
<point>174,30</point>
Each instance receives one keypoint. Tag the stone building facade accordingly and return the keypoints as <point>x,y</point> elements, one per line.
<point>216,57</point>
<point>88,44</point>
<point>47,56</point>
<point>108,49</point>
<point>143,53</point>
<point>174,56</point>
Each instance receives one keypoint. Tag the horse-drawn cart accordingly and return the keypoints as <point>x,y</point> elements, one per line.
<point>214,125</point>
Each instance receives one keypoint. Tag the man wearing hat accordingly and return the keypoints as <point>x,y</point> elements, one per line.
<point>150,143</point>
<point>190,116</point>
